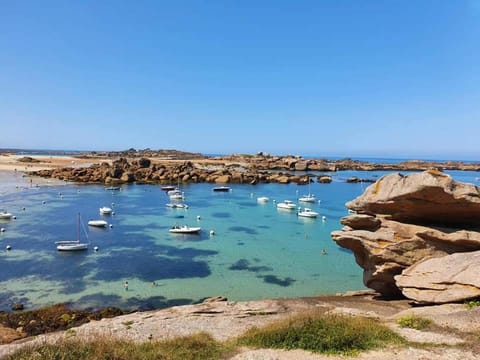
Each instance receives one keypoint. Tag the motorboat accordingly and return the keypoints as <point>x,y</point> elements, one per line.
<point>168,188</point>
<point>73,245</point>
<point>307,198</point>
<point>263,199</point>
<point>113,188</point>
<point>97,223</point>
<point>287,205</point>
<point>222,188</point>
<point>105,210</point>
<point>307,212</point>
<point>184,229</point>
<point>177,206</point>
<point>5,215</point>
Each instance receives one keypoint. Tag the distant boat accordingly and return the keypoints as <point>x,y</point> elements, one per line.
<point>263,199</point>
<point>176,194</point>
<point>309,197</point>
<point>306,212</point>
<point>5,215</point>
<point>105,210</point>
<point>113,188</point>
<point>168,188</point>
<point>184,229</point>
<point>222,188</point>
<point>287,205</point>
<point>72,245</point>
<point>177,206</point>
<point>97,223</point>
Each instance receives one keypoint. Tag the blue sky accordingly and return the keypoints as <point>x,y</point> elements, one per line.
<point>349,78</point>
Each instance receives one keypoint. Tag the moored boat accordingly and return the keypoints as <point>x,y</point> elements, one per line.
<point>221,188</point>
<point>307,198</point>
<point>5,215</point>
<point>73,245</point>
<point>306,212</point>
<point>105,210</point>
<point>177,206</point>
<point>286,205</point>
<point>184,229</point>
<point>97,223</point>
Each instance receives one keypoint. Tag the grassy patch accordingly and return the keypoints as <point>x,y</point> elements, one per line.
<point>472,304</point>
<point>327,334</point>
<point>200,346</point>
<point>414,322</point>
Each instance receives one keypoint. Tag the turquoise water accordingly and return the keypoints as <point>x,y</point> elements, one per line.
<point>257,251</point>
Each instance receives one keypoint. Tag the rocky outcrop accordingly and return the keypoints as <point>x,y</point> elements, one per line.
<point>402,220</point>
<point>451,278</point>
<point>430,197</point>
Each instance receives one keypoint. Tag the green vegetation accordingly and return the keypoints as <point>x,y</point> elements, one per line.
<point>472,304</point>
<point>327,334</point>
<point>200,346</point>
<point>414,322</point>
<point>54,318</point>
<point>128,324</point>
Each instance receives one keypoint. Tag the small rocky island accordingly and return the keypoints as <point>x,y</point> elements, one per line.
<point>417,236</point>
<point>165,167</point>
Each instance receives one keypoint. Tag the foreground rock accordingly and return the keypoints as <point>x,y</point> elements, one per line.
<point>224,320</point>
<point>451,278</point>
<point>402,220</point>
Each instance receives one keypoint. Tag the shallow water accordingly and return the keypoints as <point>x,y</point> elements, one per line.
<point>257,251</point>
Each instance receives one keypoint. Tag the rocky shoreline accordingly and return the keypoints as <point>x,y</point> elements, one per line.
<point>167,167</point>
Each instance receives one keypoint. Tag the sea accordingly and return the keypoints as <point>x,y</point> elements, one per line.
<point>246,250</point>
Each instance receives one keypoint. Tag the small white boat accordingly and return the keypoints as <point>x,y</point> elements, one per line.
<point>184,229</point>
<point>263,199</point>
<point>306,212</point>
<point>105,210</point>
<point>113,188</point>
<point>168,188</point>
<point>177,206</point>
<point>307,198</point>
<point>5,215</point>
<point>97,223</point>
<point>221,188</point>
<point>176,194</point>
<point>72,245</point>
<point>287,205</point>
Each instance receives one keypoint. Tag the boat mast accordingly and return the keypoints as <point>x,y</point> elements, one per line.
<point>78,227</point>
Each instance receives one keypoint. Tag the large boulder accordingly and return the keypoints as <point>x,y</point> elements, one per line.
<point>451,278</point>
<point>388,234</point>
<point>430,197</point>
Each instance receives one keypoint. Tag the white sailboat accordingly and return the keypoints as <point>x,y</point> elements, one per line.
<point>308,198</point>
<point>72,245</point>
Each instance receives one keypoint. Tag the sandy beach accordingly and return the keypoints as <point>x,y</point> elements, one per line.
<point>10,162</point>
<point>14,177</point>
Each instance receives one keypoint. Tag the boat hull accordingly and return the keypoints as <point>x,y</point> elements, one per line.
<point>185,230</point>
<point>97,223</point>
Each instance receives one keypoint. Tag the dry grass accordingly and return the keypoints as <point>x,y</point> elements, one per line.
<point>200,346</point>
